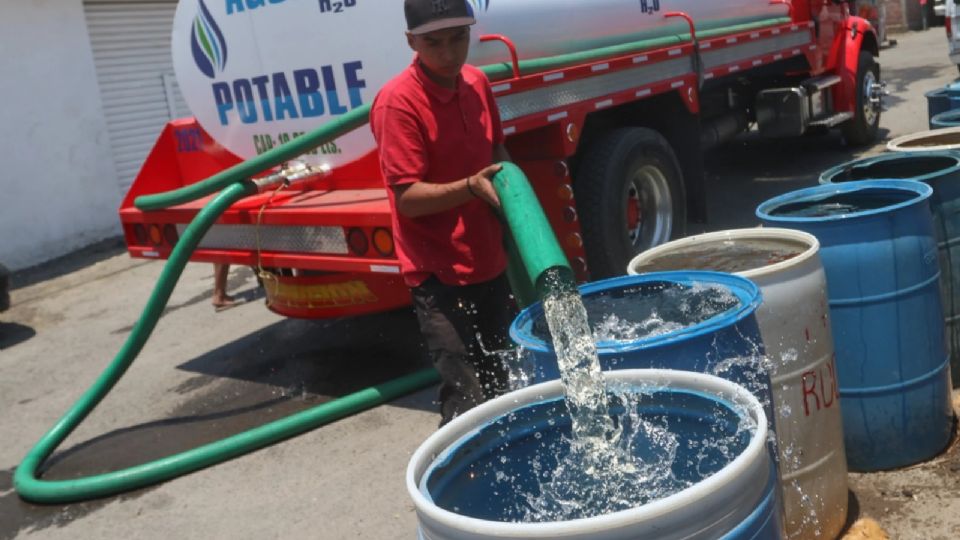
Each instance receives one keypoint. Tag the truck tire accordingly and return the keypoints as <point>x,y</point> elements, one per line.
<point>863,127</point>
<point>630,197</point>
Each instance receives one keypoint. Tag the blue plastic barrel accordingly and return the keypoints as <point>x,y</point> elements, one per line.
<point>880,257</point>
<point>942,99</point>
<point>940,170</point>
<point>938,101</point>
<point>475,477</point>
<point>704,346</point>
<point>946,119</point>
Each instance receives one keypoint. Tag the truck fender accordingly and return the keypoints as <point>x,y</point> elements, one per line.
<point>858,35</point>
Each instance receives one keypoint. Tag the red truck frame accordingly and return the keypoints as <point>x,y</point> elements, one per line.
<point>613,149</point>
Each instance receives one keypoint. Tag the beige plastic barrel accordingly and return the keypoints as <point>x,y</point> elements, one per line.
<point>925,141</point>
<point>795,327</point>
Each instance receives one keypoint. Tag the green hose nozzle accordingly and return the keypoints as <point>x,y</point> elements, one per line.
<point>538,265</point>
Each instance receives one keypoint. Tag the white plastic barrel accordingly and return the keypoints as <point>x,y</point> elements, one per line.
<point>795,327</point>
<point>926,141</point>
<point>737,502</point>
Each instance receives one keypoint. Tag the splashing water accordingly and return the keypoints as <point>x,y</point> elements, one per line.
<point>600,449</point>
<point>602,470</point>
<point>625,470</point>
<point>633,314</point>
<point>580,373</point>
<point>527,467</point>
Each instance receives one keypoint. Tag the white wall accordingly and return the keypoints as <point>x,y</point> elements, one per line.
<point>58,187</point>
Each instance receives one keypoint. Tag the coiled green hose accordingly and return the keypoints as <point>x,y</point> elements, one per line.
<point>34,489</point>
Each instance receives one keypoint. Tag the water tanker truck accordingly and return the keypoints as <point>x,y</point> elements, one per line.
<point>607,107</point>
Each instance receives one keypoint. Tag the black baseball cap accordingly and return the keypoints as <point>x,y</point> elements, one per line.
<point>430,15</point>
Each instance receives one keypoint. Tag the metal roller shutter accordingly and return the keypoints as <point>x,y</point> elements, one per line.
<point>131,51</point>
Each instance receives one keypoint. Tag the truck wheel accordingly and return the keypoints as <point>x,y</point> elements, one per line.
<point>630,197</point>
<point>862,128</point>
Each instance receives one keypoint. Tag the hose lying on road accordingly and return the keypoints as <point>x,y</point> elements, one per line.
<point>34,489</point>
<point>534,244</point>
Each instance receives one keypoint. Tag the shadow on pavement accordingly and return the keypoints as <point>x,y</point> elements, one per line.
<point>285,368</point>
<point>13,334</point>
<point>67,264</point>
<point>750,170</point>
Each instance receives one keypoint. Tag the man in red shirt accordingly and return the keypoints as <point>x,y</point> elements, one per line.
<point>438,135</point>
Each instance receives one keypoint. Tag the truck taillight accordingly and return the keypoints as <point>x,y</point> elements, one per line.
<point>140,234</point>
<point>383,242</point>
<point>357,242</point>
<point>170,234</point>
<point>948,26</point>
<point>156,236</point>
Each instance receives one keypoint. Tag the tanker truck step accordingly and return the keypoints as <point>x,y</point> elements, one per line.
<point>833,120</point>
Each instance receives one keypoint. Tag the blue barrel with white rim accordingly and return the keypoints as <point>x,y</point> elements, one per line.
<point>880,256</point>
<point>946,119</point>
<point>938,101</point>
<point>686,320</point>
<point>497,471</point>
<point>940,169</point>
<point>943,99</point>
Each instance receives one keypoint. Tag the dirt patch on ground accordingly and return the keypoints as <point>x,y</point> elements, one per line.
<point>917,502</point>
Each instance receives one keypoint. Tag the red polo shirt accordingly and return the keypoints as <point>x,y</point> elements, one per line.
<point>427,133</point>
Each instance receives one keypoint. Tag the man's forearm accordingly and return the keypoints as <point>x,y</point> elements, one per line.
<point>425,198</point>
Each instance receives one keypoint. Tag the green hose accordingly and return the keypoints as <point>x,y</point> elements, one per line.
<point>535,245</point>
<point>36,490</point>
<point>538,264</point>
<point>269,159</point>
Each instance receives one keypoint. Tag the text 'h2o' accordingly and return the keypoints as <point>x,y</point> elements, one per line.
<point>649,6</point>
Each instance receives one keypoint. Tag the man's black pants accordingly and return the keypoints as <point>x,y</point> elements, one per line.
<point>451,318</point>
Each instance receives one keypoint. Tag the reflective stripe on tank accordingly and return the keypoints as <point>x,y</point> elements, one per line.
<point>749,49</point>
<point>561,95</point>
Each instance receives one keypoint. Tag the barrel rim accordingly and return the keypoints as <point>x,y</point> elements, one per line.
<point>952,113</point>
<point>747,292</point>
<point>468,424</point>
<point>936,92</point>
<point>812,194</point>
<point>828,175</point>
<point>894,145</point>
<point>760,233</point>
